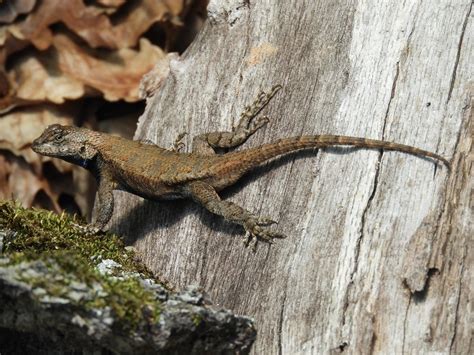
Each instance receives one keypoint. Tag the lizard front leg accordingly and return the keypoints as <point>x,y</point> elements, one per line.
<point>104,206</point>
<point>178,143</point>
<point>247,125</point>
<point>257,228</point>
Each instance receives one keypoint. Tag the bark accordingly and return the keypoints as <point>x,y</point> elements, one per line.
<point>379,255</point>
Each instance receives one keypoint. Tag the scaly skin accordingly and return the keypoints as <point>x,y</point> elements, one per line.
<point>153,172</point>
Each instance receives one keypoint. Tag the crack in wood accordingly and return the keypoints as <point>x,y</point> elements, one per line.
<point>369,201</point>
<point>405,325</point>
<point>420,296</point>
<point>280,324</point>
<point>458,299</point>
<point>458,54</point>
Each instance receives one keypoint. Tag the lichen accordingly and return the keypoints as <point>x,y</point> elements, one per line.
<point>72,258</point>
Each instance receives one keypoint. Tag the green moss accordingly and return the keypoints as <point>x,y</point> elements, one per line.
<point>39,231</point>
<point>72,256</point>
<point>197,319</point>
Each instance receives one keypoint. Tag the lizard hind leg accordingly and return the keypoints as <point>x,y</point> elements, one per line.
<point>247,125</point>
<point>257,228</point>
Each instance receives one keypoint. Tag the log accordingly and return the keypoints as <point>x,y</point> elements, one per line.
<point>379,254</point>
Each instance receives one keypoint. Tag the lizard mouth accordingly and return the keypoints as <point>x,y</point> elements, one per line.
<point>38,147</point>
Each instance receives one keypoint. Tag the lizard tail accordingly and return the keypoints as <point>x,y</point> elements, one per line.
<point>252,157</point>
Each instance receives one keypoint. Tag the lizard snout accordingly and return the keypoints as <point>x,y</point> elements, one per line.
<point>36,145</point>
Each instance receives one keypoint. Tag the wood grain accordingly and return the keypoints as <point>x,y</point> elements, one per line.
<point>379,256</point>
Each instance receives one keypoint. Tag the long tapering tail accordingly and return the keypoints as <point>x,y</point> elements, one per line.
<point>255,156</point>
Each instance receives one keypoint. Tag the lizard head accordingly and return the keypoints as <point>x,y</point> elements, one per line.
<point>66,142</point>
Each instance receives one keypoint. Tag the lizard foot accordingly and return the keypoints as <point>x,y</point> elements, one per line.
<point>88,230</point>
<point>257,229</point>
<point>250,112</point>
<point>178,143</point>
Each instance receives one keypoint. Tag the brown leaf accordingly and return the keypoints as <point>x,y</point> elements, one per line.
<point>9,10</point>
<point>117,75</point>
<point>111,3</point>
<point>19,182</point>
<point>92,25</point>
<point>38,78</point>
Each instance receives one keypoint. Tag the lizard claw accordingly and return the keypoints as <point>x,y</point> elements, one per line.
<point>251,240</point>
<point>248,120</point>
<point>257,230</point>
<point>178,143</point>
<point>88,230</point>
<point>257,123</point>
<point>265,221</point>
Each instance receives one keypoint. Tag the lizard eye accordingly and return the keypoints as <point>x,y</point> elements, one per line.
<point>58,138</point>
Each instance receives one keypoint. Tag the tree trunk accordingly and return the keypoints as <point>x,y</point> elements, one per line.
<point>379,255</point>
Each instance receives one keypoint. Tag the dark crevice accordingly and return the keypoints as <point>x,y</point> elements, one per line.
<point>458,299</point>
<point>371,197</point>
<point>244,5</point>
<point>458,54</point>
<point>405,324</point>
<point>342,347</point>
<point>444,205</point>
<point>364,216</point>
<point>420,296</point>
<point>202,272</point>
<point>412,30</point>
<point>373,341</point>
<point>392,95</point>
<point>280,324</point>
<point>346,302</point>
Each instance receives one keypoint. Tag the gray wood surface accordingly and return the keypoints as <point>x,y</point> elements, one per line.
<point>380,250</point>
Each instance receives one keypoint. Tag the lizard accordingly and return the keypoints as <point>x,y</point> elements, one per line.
<point>152,172</point>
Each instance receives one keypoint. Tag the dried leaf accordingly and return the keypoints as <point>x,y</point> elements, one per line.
<point>9,10</point>
<point>19,182</point>
<point>117,75</point>
<point>111,3</point>
<point>38,79</point>
<point>92,25</point>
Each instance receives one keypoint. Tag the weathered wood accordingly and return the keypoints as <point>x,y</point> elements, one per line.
<point>379,255</point>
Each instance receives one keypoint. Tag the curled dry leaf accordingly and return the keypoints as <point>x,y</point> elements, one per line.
<point>10,42</point>
<point>111,3</point>
<point>93,26</point>
<point>9,10</point>
<point>68,71</point>
<point>37,78</point>
<point>19,182</point>
<point>117,75</point>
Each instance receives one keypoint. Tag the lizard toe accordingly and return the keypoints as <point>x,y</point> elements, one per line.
<point>258,230</point>
<point>258,123</point>
<point>265,221</point>
<point>88,230</point>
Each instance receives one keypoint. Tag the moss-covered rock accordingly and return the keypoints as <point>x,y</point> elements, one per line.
<point>85,292</point>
